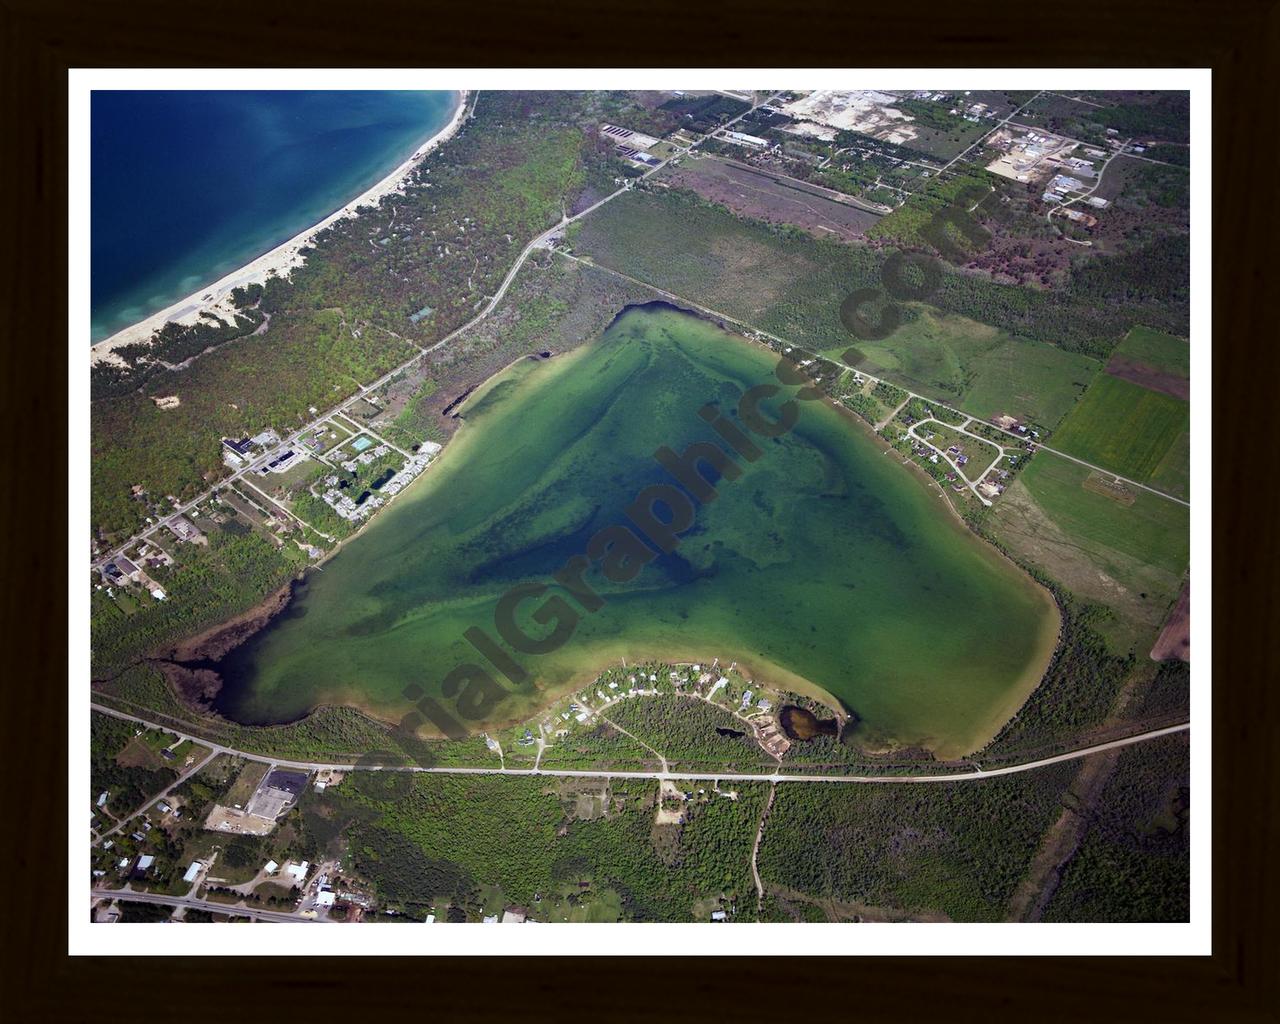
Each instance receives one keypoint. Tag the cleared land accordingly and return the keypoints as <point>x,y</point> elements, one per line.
<point>1158,350</point>
<point>1125,428</point>
<point>987,371</point>
<point>1146,377</point>
<point>758,194</point>
<point>1175,638</point>
<point>1125,550</point>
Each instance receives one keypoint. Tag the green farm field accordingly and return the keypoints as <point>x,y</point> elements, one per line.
<point>1156,349</point>
<point>1124,428</point>
<point>982,369</point>
<point>1173,474</point>
<point>1130,557</point>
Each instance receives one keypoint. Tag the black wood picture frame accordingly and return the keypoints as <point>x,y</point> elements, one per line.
<point>1238,39</point>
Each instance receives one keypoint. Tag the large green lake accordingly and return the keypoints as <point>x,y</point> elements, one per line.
<point>826,564</point>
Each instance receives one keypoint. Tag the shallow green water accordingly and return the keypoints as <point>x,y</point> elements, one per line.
<point>824,559</point>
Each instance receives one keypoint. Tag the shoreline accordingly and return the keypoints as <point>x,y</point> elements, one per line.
<point>752,664</point>
<point>281,260</point>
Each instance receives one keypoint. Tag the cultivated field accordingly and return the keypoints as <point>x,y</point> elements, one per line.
<point>1125,428</point>
<point>983,369</point>
<point>1154,360</point>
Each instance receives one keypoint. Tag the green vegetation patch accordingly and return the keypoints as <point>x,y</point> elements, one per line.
<point>1134,862</point>
<point>1151,529</point>
<point>911,224</point>
<point>1122,547</point>
<point>127,783</point>
<point>792,285</point>
<point>691,732</point>
<point>1158,350</point>
<point>1123,427</point>
<point>986,371</point>
<point>1173,474</point>
<point>475,843</point>
<point>957,849</point>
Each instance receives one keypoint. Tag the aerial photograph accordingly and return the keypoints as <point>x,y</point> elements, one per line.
<point>647,505</point>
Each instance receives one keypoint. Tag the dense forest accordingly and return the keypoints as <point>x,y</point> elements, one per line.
<point>956,849</point>
<point>450,836</point>
<point>1134,861</point>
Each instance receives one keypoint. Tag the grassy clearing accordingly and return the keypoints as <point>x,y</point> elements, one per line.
<point>1173,474</point>
<point>1157,349</point>
<point>1151,529</point>
<point>1124,428</point>
<point>1130,557</point>
<point>481,843</point>
<point>1032,381</point>
<point>246,782</point>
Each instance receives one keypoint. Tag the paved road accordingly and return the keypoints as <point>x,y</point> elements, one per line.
<point>195,904</point>
<point>972,776</point>
<point>716,777</point>
<point>971,484</point>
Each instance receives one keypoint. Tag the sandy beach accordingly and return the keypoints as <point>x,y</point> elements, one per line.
<point>215,298</point>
